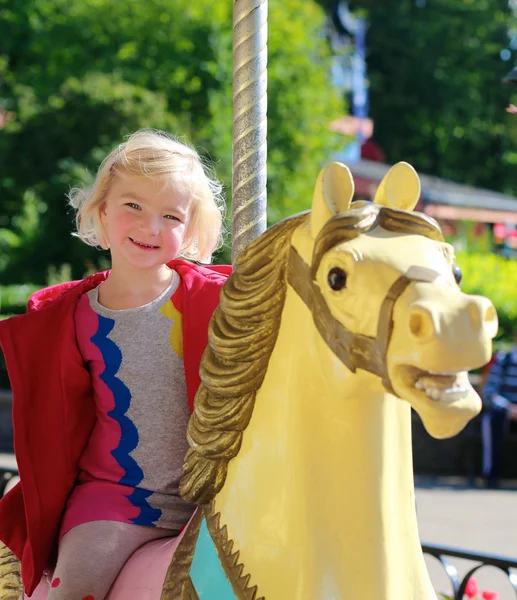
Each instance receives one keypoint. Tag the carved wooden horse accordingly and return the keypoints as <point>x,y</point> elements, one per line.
<point>334,324</point>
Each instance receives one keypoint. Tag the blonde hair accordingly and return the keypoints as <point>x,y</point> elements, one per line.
<point>160,157</point>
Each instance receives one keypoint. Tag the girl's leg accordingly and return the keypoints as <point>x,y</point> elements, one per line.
<point>91,556</point>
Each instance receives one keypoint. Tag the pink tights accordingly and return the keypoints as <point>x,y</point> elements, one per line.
<point>91,556</point>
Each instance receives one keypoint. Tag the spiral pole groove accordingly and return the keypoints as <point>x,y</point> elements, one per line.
<point>249,135</point>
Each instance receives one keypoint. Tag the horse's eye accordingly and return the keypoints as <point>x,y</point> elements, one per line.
<point>336,279</point>
<point>456,271</point>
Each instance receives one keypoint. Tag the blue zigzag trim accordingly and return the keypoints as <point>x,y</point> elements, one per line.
<point>122,396</point>
<point>148,514</point>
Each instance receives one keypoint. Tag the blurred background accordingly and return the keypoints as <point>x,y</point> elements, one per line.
<point>366,82</point>
<point>369,83</point>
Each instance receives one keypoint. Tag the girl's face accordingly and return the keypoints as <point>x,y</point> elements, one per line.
<point>144,222</point>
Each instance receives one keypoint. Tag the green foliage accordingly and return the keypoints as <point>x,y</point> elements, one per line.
<point>13,299</point>
<point>437,99</point>
<point>59,274</point>
<point>300,103</point>
<point>79,76</point>
<point>494,277</point>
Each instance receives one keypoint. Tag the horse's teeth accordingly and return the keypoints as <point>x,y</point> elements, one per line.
<point>448,395</point>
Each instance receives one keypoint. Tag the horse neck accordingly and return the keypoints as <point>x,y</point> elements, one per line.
<point>325,466</point>
<point>350,440</point>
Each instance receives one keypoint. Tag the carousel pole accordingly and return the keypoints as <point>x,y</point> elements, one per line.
<point>249,145</point>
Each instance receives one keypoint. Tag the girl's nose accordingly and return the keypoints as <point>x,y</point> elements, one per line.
<point>152,224</point>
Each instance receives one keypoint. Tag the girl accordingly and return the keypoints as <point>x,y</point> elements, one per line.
<point>103,372</point>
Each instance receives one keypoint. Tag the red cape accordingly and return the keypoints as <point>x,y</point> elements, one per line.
<point>53,407</point>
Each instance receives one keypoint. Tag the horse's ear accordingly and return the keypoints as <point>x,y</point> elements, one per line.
<point>333,194</point>
<point>400,187</point>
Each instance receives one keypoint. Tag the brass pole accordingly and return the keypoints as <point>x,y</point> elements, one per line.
<point>249,145</point>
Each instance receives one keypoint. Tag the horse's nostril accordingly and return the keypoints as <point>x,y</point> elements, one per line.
<point>416,324</point>
<point>474,313</point>
<point>490,314</point>
<point>490,320</point>
<point>421,323</point>
<point>483,315</point>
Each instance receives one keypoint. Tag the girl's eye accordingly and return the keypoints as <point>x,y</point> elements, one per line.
<point>172,217</point>
<point>133,205</point>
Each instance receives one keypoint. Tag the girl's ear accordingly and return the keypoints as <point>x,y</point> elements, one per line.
<point>103,213</point>
<point>101,223</point>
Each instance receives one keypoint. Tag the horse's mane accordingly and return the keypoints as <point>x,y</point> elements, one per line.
<point>243,333</point>
<point>241,337</point>
<point>352,223</point>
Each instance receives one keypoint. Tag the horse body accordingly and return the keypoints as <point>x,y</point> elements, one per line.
<point>311,478</point>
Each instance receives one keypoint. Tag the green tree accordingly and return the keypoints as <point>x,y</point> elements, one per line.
<point>436,95</point>
<point>80,76</point>
<point>492,276</point>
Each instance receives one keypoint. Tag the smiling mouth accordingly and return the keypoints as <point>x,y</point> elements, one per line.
<point>142,245</point>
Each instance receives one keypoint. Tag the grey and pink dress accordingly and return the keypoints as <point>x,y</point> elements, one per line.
<point>130,469</point>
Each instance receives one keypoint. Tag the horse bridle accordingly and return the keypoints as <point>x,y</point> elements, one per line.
<point>356,351</point>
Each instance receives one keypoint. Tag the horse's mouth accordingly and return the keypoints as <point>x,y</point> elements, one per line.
<point>445,400</point>
<point>445,387</point>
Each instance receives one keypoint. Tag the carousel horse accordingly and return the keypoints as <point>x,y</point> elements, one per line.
<point>334,324</point>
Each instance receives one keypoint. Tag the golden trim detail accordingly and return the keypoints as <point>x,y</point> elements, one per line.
<point>177,584</point>
<point>229,557</point>
<point>188,591</point>
<point>352,223</point>
<point>11,587</point>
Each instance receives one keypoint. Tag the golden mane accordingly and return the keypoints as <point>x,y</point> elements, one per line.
<point>241,337</point>
<point>356,221</point>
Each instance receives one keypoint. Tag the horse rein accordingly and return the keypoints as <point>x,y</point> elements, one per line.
<point>355,350</point>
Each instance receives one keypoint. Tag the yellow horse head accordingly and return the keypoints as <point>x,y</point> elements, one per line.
<point>390,281</point>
